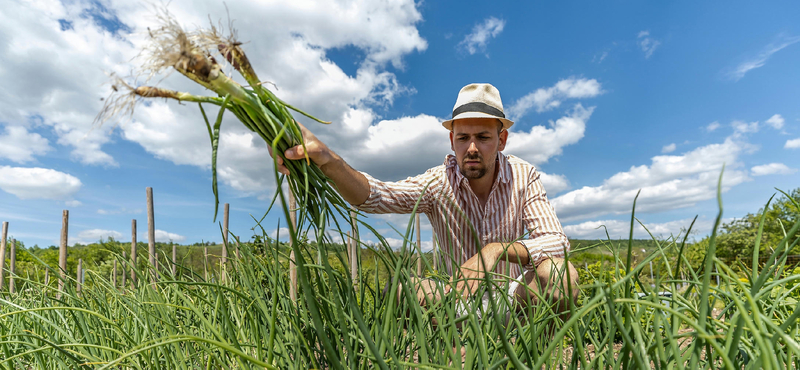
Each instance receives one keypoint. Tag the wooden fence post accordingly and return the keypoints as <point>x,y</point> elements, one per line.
<point>80,274</point>
<point>224,263</point>
<point>3,253</point>
<point>292,266</point>
<point>205,263</point>
<point>133,254</point>
<point>62,251</point>
<point>124,258</point>
<point>174,259</point>
<point>419,245</point>
<point>151,235</point>
<point>13,266</point>
<point>46,278</point>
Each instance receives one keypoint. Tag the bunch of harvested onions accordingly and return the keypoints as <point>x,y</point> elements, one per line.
<point>192,54</point>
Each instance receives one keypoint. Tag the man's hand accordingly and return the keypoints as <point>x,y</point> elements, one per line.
<point>473,271</point>
<point>351,184</point>
<point>317,151</point>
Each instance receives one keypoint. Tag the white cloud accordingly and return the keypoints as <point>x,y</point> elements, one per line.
<point>647,44</point>
<point>541,143</point>
<point>669,182</point>
<point>712,126</point>
<point>73,203</point>
<point>792,144</point>
<point>481,34</point>
<point>772,169</point>
<point>758,60</point>
<point>619,229</point>
<point>668,148</point>
<point>56,73</point>
<point>395,149</point>
<point>282,233</point>
<point>544,99</point>
<point>296,62</point>
<point>94,235</point>
<point>554,184</point>
<point>165,237</point>
<point>740,127</point>
<point>19,145</point>
<point>776,121</point>
<point>292,53</point>
<point>395,242</point>
<point>38,183</point>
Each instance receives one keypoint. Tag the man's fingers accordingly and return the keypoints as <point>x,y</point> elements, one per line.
<point>295,152</point>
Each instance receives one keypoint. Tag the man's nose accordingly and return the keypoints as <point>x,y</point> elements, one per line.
<point>472,147</point>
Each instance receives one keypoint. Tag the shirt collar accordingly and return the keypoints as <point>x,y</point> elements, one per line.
<point>503,174</point>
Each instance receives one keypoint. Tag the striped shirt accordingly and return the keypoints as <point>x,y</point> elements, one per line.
<point>517,210</point>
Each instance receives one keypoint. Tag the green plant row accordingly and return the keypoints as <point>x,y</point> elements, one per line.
<point>249,321</point>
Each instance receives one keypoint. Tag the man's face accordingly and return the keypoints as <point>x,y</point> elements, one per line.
<point>476,142</point>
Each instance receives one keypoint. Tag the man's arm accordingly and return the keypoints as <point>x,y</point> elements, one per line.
<point>473,270</point>
<point>352,185</point>
<point>547,238</point>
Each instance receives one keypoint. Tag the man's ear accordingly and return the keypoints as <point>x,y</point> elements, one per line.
<point>503,138</point>
<point>451,142</point>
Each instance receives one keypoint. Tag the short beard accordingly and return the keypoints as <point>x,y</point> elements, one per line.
<point>473,174</point>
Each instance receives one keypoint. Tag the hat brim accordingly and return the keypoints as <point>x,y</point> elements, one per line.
<point>507,123</point>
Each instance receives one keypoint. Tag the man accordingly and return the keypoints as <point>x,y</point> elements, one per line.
<point>481,204</point>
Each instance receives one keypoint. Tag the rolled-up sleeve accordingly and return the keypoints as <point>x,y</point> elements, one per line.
<point>400,196</point>
<point>546,237</point>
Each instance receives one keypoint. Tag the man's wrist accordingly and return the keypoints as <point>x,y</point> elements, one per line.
<point>493,250</point>
<point>333,164</point>
<point>516,252</point>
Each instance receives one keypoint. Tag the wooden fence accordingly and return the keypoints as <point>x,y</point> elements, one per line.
<point>352,244</point>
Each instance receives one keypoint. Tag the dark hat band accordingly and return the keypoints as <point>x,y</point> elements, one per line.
<point>478,107</point>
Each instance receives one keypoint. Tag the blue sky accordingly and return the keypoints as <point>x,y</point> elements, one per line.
<point>608,98</point>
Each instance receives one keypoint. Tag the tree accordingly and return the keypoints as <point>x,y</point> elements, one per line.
<point>736,239</point>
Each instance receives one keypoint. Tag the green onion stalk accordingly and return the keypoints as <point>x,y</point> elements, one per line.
<point>255,106</point>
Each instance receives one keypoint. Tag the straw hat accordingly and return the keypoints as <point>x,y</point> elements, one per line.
<point>478,101</point>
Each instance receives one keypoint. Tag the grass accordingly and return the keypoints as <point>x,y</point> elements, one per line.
<point>748,321</point>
